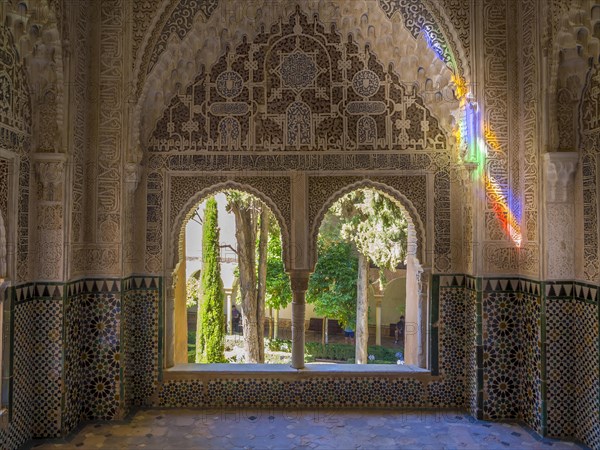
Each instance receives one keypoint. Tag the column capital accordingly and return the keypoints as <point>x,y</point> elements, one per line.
<point>299,280</point>
<point>50,172</point>
<point>559,169</point>
<point>132,176</point>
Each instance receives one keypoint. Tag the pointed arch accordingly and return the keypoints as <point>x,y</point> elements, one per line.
<point>176,239</point>
<point>412,216</point>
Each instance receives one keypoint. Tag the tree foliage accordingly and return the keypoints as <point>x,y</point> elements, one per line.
<point>279,290</point>
<point>375,225</point>
<point>332,287</point>
<point>210,339</point>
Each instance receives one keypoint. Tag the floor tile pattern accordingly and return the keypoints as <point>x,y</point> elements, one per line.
<point>314,429</point>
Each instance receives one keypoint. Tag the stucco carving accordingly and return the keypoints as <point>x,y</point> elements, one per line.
<point>36,35</point>
<point>559,170</point>
<point>420,65</point>
<point>15,109</point>
<point>300,88</point>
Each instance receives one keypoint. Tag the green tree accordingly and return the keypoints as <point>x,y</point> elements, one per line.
<point>210,335</point>
<point>278,289</point>
<point>332,287</point>
<point>376,226</point>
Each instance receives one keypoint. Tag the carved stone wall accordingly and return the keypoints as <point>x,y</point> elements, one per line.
<point>300,97</point>
<point>81,100</point>
<point>590,143</point>
<point>367,21</point>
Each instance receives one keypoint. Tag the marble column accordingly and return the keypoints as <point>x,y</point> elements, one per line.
<point>378,300</point>
<point>299,281</point>
<point>228,295</point>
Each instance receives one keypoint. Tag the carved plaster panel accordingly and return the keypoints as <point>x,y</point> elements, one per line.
<point>298,88</point>
<point>36,35</point>
<point>15,109</point>
<point>590,145</point>
<point>559,168</point>
<point>560,226</point>
<point>364,20</point>
<point>50,179</point>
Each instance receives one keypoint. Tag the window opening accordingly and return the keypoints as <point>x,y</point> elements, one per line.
<point>358,289</point>
<point>236,289</point>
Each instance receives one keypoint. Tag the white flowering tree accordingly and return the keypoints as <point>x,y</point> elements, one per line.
<point>378,229</point>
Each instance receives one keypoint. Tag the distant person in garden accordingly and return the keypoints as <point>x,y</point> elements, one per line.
<point>349,334</point>
<point>235,317</point>
<point>400,330</point>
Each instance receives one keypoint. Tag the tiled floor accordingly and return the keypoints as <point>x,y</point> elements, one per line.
<point>263,429</point>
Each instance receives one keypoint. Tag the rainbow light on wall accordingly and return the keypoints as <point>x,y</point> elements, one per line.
<point>477,150</point>
<point>467,133</point>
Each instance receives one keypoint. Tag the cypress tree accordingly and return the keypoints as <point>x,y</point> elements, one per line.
<point>210,340</point>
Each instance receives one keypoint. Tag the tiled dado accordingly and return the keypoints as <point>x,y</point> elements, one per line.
<point>37,357</point>
<point>502,347</point>
<point>573,371</point>
<point>92,353</point>
<point>512,352</point>
<point>66,361</point>
<point>328,392</point>
<point>142,337</point>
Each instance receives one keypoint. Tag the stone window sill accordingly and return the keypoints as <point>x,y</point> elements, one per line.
<point>282,371</point>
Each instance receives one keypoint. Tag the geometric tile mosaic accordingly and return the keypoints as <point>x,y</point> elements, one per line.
<point>501,358</point>
<point>112,360</point>
<point>326,392</point>
<point>455,341</point>
<point>23,366</point>
<point>572,362</point>
<point>100,357</point>
<point>512,378</point>
<point>47,364</point>
<point>141,356</point>
<point>73,367</point>
<point>472,387</point>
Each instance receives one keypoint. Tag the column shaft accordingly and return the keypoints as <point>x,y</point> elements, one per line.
<point>299,287</point>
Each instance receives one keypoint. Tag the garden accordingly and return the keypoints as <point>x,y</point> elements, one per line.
<point>363,230</point>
